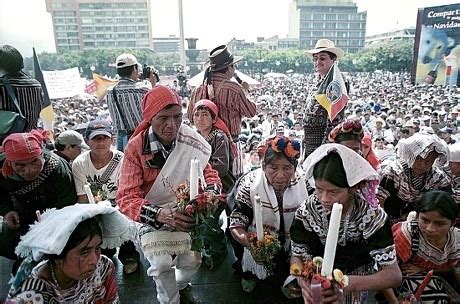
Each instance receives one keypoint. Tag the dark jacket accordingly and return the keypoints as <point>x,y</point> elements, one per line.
<point>56,191</point>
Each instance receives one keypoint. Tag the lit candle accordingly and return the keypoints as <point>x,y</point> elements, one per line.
<point>258,218</point>
<point>193,178</point>
<point>331,240</point>
<point>89,194</point>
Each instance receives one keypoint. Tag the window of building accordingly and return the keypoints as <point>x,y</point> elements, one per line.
<point>355,17</point>
<point>343,17</point>
<point>318,17</point>
<point>355,26</point>
<point>342,26</point>
<point>331,26</point>
<point>318,33</point>
<point>318,25</point>
<point>330,17</point>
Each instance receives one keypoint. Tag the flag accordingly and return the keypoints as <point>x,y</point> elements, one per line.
<point>332,92</point>
<point>47,112</point>
<point>102,84</point>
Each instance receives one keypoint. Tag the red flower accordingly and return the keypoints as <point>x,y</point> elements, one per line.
<point>189,209</point>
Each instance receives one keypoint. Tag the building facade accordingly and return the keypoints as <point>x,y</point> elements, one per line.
<point>337,20</point>
<point>100,24</point>
<point>169,44</point>
<point>407,34</point>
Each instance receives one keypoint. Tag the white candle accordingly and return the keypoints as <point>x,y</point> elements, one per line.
<point>89,194</point>
<point>193,178</point>
<point>258,218</point>
<point>331,240</point>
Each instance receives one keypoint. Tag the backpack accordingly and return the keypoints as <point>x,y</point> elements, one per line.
<point>11,121</point>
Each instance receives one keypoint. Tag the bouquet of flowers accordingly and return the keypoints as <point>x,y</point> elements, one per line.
<point>264,251</point>
<point>202,209</point>
<point>310,269</point>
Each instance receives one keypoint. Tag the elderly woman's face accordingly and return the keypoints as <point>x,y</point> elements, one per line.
<point>322,63</point>
<point>80,262</point>
<point>29,169</point>
<point>166,124</point>
<point>434,226</point>
<point>424,165</point>
<point>279,173</point>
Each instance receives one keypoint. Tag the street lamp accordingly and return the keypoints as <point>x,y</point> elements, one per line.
<point>297,64</point>
<point>277,65</point>
<point>391,60</point>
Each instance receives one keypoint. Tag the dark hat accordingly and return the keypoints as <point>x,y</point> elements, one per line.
<point>98,127</point>
<point>220,58</point>
<point>446,130</point>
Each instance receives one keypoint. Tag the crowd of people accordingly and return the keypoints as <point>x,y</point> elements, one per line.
<point>269,156</point>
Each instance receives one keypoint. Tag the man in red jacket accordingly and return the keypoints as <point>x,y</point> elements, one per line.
<point>157,160</point>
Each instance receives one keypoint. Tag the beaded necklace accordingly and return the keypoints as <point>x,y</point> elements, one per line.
<point>53,274</point>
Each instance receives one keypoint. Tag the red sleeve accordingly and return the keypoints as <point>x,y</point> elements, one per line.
<point>130,193</point>
<point>110,284</point>
<point>211,176</point>
<point>402,243</point>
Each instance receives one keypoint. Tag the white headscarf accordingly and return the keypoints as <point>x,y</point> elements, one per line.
<point>454,151</point>
<point>420,144</point>
<point>356,167</point>
<point>51,233</point>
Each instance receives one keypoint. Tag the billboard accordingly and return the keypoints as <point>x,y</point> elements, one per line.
<point>437,45</point>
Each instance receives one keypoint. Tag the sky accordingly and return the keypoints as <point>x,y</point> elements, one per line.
<point>25,23</point>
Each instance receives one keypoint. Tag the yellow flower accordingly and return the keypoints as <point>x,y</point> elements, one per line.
<point>295,269</point>
<point>338,275</point>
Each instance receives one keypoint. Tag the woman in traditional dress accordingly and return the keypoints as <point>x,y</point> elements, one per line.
<point>368,151</point>
<point>350,133</point>
<point>365,248</point>
<point>426,241</point>
<point>213,129</point>
<point>281,190</point>
<point>216,133</point>
<point>316,122</point>
<point>67,244</point>
<point>411,174</point>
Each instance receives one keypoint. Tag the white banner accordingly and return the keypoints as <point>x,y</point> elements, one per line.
<point>64,83</point>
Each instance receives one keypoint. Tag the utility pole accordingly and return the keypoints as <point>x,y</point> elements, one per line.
<point>183,61</point>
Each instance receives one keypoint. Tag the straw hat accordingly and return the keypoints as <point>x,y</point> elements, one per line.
<point>326,45</point>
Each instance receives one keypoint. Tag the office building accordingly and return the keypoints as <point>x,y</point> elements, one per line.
<point>337,20</point>
<point>169,44</point>
<point>100,24</point>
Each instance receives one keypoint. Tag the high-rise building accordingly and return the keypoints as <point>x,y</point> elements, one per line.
<point>337,20</point>
<point>100,24</point>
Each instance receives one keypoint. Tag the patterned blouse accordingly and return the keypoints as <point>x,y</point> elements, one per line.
<point>100,288</point>
<point>413,248</point>
<point>399,188</point>
<point>365,241</point>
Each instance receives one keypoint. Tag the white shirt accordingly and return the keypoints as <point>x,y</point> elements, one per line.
<point>84,172</point>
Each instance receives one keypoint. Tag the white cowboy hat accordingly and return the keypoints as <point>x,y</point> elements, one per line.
<point>326,45</point>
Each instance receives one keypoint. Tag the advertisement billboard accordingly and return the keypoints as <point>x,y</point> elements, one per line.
<point>437,45</point>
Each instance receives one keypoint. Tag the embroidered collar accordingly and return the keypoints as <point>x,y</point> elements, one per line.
<point>156,146</point>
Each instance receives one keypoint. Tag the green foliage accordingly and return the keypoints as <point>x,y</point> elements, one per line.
<point>395,56</point>
<point>102,60</point>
